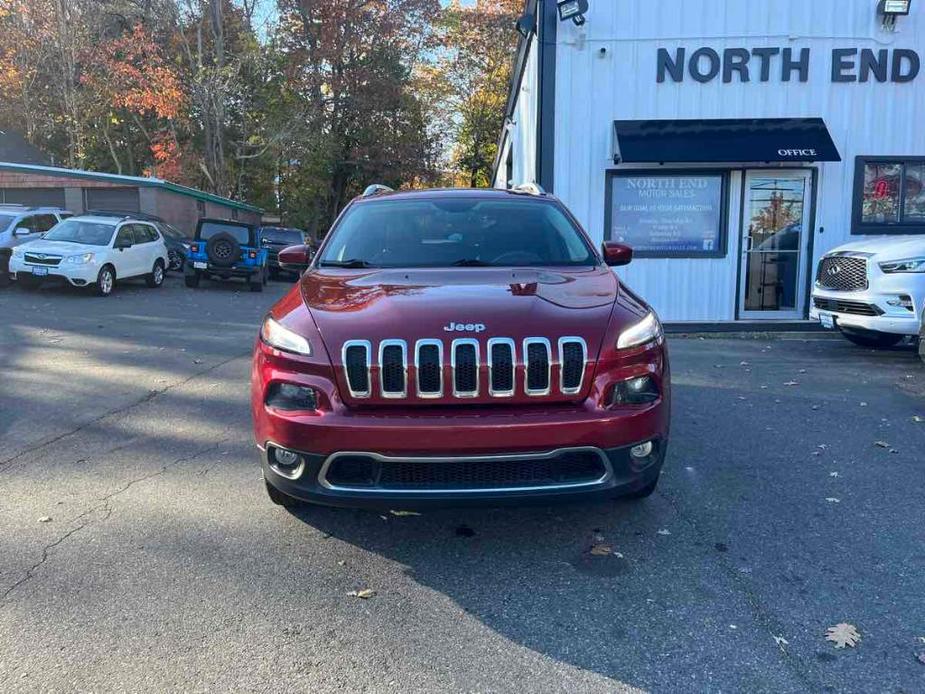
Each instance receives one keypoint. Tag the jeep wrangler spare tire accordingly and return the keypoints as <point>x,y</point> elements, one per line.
<point>223,250</point>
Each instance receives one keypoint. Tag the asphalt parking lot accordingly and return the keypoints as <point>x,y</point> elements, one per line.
<point>138,551</point>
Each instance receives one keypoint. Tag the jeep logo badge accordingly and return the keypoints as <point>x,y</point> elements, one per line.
<point>464,327</point>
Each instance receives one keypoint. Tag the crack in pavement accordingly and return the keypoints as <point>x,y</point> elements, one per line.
<point>103,504</point>
<point>761,614</point>
<point>6,465</point>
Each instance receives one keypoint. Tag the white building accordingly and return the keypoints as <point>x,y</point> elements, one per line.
<point>730,142</point>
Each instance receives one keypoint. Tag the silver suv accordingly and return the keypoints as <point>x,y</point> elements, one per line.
<point>21,224</point>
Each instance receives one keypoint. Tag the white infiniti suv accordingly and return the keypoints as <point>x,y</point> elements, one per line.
<point>93,251</point>
<point>872,290</point>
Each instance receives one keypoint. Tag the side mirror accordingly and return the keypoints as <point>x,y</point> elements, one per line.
<point>616,254</point>
<point>22,231</point>
<point>295,258</point>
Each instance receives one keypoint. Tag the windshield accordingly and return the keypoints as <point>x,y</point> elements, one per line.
<point>277,235</point>
<point>239,233</point>
<point>456,232</point>
<point>77,231</point>
<point>5,220</point>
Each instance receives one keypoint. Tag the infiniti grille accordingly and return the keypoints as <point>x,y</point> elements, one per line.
<point>844,273</point>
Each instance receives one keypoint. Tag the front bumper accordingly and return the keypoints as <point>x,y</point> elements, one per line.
<point>619,472</point>
<point>889,318</point>
<point>78,275</point>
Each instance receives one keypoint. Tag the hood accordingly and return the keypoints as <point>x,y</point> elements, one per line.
<point>415,304</point>
<point>887,247</point>
<point>62,248</point>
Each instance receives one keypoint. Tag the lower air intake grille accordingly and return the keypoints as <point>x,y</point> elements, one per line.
<point>563,468</point>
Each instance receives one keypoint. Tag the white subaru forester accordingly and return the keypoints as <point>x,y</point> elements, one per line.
<point>93,251</point>
<point>873,291</point>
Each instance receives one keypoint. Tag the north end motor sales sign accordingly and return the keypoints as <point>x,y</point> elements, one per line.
<point>765,64</point>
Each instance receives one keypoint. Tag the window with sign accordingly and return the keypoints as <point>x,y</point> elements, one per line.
<point>889,195</point>
<point>674,214</point>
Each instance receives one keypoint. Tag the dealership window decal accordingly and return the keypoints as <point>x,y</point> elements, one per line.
<point>665,215</point>
<point>889,195</point>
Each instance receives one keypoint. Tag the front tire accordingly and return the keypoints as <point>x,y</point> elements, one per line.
<point>156,277</point>
<point>280,498</point>
<point>105,281</point>
<point>873,340</point>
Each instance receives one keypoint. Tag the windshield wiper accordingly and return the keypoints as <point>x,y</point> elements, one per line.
<point>471,262</point>
<point>352,263</point>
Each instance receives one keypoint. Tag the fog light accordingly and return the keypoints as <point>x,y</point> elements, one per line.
<point>643,450</point>
<point>284,462</point>
<point>903,301</point>
<point>288,396</point>
<point>635,391</point>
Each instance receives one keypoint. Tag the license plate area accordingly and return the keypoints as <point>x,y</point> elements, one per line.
<point>40,271</point>
<point>200,266</point>
<point>827,320</point>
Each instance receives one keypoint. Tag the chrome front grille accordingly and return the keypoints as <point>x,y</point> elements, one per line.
<point>42,259</point>
<point>385,369</point>
<point>843,273</point>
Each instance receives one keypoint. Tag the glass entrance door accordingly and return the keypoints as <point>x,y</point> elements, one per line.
<point>775,234</point>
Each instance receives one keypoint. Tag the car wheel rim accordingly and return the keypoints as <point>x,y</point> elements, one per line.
<point>158,274</point>
<point>106,282</point>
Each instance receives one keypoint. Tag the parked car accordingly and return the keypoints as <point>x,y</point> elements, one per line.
<point>873,291</point>
<point>93,251</point>
<point>275,239</point>
<point>177,242</point>
<point>178,245</point>
<point>454,346</point>
<point>222,249</point>
<point>20,224</point>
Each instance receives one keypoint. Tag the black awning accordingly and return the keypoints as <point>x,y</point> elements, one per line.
<point>723,140</point>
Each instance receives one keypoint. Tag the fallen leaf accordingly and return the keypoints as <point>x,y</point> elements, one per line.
<point>743,363</point>
<point>833,500</point>
<point>881,444</point>
<point>792,383</point>
<point>780,641</point>
<point>833,474</point>
<point>664,531</point>
<point>917,419</point>
<point>921,657</point>
<point>863,404</point>
<point>45,519</point>
<point>404,513</point>
<point>364,594</point>
<point>601,550</point>
<point>802,371</point>
<point>197,361</point>
<point>843,635</point>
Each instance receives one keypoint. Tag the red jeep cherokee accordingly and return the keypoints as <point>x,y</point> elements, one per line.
<point>447,346</point>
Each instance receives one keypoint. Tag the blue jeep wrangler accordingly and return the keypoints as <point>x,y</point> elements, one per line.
<point>223,249</point>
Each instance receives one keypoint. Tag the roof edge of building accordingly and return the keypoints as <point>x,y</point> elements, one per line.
<point>131,180</point>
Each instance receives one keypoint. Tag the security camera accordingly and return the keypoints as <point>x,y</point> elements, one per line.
<point>572,9</point>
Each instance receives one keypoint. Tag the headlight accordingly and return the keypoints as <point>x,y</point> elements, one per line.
<point>282,338</point>
<point>907,265</point>
<point>646,330</point>
<point>80,259</point>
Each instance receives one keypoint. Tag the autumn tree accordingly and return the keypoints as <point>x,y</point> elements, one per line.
<point>476,65</point>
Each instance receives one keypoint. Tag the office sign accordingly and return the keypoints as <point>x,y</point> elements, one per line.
<point>667,215</point>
